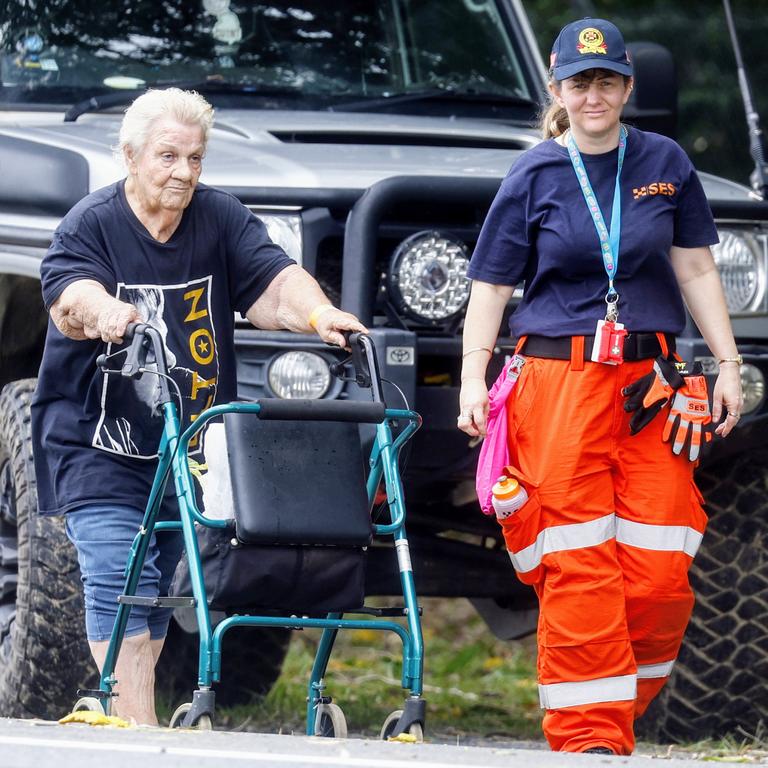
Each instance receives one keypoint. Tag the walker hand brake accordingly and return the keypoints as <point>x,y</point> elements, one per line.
<point>136,356</point>
<point>363,358</point>
<point>135,352</point>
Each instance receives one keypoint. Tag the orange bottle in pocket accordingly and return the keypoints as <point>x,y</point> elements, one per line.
<point>508,497</point>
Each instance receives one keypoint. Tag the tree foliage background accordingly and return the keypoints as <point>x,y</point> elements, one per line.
<point>712,125</point>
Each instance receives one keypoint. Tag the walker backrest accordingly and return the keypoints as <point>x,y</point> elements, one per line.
<point>298,482</point>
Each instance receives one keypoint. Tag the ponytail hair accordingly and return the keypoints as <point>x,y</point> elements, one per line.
<point>553,120</point>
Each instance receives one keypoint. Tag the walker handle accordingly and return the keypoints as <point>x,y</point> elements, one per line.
<point>364,362</point>
<point>134,348</point>
<point>273,409</point>
<point>136,354</point>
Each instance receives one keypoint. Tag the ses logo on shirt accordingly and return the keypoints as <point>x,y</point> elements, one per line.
<point>656,188</point>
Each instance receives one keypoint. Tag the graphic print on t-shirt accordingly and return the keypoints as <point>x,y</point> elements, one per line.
<point>131,420</point>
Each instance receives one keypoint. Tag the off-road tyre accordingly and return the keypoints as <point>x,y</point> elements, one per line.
<point>44,657</point>
<point>719,685</point>
<point>250,665</point>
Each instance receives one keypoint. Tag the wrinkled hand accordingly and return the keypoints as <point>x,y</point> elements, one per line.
<point>112,317</point>
<point>332,322</point>
<point>727,396</point>
<point>84,310</point>
<point>473,407</point>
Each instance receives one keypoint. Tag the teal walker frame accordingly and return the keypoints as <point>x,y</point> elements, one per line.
<point>322,716</point>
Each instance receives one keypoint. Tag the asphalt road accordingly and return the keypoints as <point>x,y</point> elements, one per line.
<point>44,744</point>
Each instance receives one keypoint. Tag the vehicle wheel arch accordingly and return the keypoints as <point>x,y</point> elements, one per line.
<point>23,324</point>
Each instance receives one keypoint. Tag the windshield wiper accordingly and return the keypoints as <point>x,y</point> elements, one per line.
<point>434,94</point>
<point>102,101</point>
<point>122,97</point>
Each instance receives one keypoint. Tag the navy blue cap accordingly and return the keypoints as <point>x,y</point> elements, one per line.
<point>589,44</point>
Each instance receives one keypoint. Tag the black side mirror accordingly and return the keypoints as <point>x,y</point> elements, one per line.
<point>653,103</point>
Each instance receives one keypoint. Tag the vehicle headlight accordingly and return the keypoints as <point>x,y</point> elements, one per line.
<point>299,375</point>
<point>738,258</point>
<point>752,387</point>
<point>428,276</point>
<point>285,231</point>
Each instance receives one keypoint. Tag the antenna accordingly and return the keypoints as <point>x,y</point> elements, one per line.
<point>759,177</point>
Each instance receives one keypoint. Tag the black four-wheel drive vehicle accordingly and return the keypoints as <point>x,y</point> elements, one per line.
<point>371,138</point>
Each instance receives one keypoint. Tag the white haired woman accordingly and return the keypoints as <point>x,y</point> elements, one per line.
<point>202,256</point>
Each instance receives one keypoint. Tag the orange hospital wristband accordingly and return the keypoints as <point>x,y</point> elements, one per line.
<point>316,312</point>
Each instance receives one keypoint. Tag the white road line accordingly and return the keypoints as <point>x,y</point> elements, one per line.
<point>293,759</point>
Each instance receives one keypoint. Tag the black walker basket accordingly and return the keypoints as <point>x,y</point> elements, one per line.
<point>302,521</point>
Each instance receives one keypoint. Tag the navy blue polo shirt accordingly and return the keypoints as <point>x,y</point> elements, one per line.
<point>95,437</point>
<point>539,231</point>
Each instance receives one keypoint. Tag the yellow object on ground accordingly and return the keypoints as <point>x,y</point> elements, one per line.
<point>407,738</point>
<point>94,718</point>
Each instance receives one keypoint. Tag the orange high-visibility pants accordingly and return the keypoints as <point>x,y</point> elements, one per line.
<point>606,539</point>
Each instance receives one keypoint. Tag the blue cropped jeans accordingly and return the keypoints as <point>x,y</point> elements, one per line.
<point>103,536</point>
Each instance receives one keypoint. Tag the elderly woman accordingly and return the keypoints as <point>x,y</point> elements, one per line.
<point>156,247</point>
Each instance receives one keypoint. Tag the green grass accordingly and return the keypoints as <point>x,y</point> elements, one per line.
<point>740,747</point>
<point>474,685</point>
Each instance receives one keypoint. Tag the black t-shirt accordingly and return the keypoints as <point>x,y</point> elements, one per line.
<point>540,231</point>
<point>96,437</point>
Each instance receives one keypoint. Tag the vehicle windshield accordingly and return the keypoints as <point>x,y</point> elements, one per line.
<point>300,54</point>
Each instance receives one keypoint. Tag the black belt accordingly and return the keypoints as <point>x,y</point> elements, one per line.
<point>637,346</point>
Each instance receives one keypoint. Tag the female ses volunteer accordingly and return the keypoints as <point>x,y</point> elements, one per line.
<point>613,519</point>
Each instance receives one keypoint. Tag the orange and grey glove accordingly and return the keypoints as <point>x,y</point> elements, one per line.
<point>650,393</point>
<point>688,417</point>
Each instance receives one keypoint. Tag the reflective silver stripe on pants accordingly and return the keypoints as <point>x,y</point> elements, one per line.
<point>560,695</point>
<point>562,537</point>
<point>662,669</point>
<point>662,538</point>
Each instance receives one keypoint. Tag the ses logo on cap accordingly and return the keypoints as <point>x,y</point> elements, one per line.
<point>591,41</point>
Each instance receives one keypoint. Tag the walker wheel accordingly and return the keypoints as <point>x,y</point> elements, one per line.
<point>88,704</point>
<point>390,724</point>
<point>204,722</point>
<point>330,722</point>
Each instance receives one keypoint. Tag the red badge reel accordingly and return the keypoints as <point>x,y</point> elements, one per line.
<point>609,335</point>
<point>609,343</point>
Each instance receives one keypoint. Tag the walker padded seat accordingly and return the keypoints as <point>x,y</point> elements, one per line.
<point>298,482</point>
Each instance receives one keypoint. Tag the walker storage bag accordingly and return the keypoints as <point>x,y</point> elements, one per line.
<point>494,451</point>
<point>294,579</point>
<point>302,521</point>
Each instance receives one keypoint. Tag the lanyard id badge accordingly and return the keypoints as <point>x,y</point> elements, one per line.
<point>609,333</point>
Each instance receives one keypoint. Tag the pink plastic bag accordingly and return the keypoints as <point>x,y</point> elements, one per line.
<point>494,452</point>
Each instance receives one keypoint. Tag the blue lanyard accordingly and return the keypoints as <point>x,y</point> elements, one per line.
<point>609,240</point>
